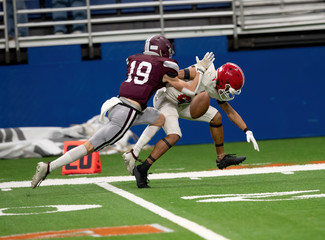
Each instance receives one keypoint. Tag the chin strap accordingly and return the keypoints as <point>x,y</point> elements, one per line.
<point>234,92</point>
<point>229,94</point>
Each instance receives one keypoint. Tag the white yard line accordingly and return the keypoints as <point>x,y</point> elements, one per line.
<point>5,186</point>
<point>183,222</point>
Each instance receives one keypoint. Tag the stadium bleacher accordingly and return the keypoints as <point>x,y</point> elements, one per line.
<point>243,22</point>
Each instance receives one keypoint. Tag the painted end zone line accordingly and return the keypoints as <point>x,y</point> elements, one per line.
<point>217,173</point>
<point>91,232</point>
<point>187,224</point>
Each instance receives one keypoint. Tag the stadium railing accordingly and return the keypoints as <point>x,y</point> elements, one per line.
<point>126,20</point>
<point>260,16</point>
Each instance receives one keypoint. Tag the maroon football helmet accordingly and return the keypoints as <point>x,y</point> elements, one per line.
<point>230,80</point>
<point>158,45</point>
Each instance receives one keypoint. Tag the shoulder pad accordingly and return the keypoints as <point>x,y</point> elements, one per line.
<point>171,65</point>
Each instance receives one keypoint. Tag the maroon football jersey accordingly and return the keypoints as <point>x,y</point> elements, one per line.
<point>144,76</point>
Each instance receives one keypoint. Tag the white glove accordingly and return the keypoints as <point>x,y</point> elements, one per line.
<point>204,64</point>
<point>250,138</point>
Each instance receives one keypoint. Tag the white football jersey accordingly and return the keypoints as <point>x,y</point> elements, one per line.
<point>208,84</point>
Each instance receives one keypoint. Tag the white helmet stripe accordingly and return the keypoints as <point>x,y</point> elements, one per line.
<point>147,45</point>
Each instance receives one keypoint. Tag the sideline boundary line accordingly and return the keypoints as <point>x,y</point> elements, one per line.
<point>183,222</point>
<point>5,186</point>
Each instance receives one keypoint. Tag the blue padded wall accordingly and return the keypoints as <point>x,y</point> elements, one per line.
<point>281,98</point>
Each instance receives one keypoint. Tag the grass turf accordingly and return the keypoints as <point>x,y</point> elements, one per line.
<point>281,219</point>
<point>187,158</point>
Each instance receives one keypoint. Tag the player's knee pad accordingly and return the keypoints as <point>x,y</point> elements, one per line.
<point>166,142</point>
<point>216,122</point>
<point>215,125</point>
<point>171,140</point>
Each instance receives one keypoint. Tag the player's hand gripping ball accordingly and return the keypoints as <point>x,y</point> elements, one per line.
<point>199,104</point>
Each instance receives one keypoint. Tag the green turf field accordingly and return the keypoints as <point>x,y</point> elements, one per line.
<point>188,199</point>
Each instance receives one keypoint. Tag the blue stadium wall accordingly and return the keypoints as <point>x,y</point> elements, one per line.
<point>282,96</point>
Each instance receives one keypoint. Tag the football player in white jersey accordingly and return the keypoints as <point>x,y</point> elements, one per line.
<point>223,85</point>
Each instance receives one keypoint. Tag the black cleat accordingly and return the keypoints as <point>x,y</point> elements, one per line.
<point>230,159</point>
<point>141,178</point>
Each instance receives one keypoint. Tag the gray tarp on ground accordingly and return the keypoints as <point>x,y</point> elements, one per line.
<point>27,142</point>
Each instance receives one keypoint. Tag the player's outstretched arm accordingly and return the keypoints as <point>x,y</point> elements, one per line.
<point>238,121</point>
<point>187,73</point>
<point>190,88</point>
<point>182,86</point>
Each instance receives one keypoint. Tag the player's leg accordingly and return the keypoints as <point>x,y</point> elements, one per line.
<point>156,120</point>
<point>223,160</point>
<point>163,105</point>
<point>216,130</point>
<point>165,108</point>
<point>173,131</point>
<point>213,117</point>
<point>150,130</point>
<point>43,169</point>
<point>121,119</point>
<point>162,146</point>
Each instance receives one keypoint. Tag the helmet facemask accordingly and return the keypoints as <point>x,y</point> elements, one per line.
<point>230,79</point>
<point>170,51</point>
<point>228,93</point>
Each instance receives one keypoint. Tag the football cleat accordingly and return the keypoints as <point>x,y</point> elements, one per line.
<point>230,159</point>
<point>129,161</point>
<point>42,170</point>
<point>141,178</point>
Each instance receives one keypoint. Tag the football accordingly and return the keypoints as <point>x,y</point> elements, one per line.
<point>199,104</point>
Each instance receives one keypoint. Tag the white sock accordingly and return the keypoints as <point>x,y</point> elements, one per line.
<point>145,137</point>
<point>69,157</point>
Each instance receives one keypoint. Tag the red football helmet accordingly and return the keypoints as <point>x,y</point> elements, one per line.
<point>158,45</point>
<point>230,79</point>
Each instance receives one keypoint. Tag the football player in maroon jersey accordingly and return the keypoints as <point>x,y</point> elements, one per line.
<point>146,73</point>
